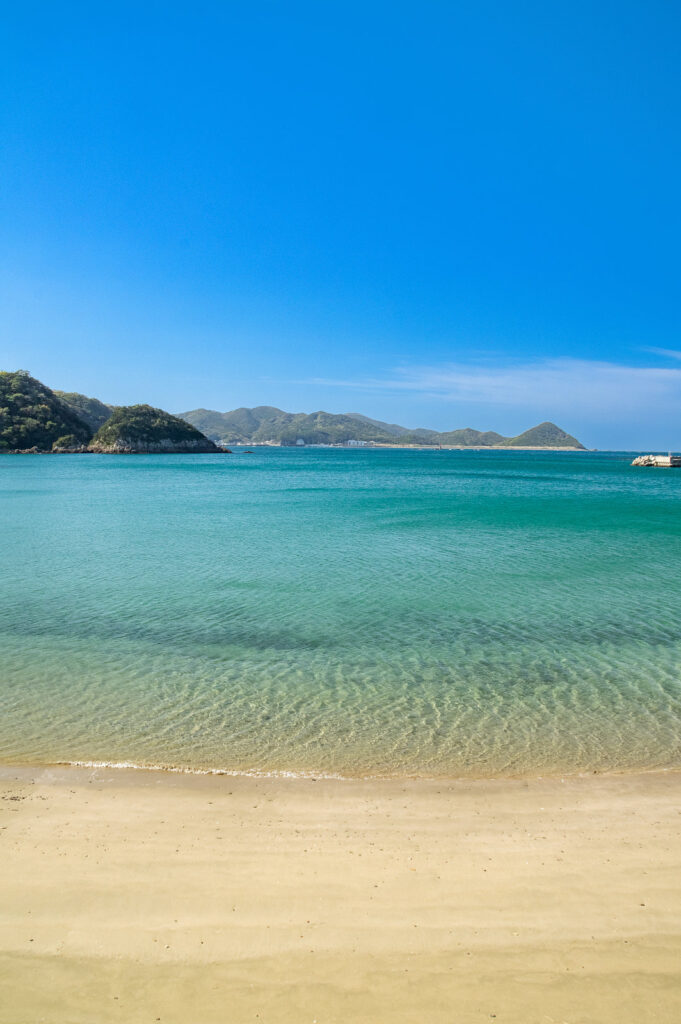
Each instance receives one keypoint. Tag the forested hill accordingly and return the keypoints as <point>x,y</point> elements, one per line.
<point>90,410</point>
<point>142,428</point>
<point>267,423</point>
<point>33,416</point>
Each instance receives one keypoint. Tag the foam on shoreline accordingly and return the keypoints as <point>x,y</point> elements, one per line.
<point>251,773</point>
<point>257,773</point>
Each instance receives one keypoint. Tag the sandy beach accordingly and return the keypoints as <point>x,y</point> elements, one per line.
<point>147,896</point>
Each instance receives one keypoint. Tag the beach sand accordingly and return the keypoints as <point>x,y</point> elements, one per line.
<point>145,896</point>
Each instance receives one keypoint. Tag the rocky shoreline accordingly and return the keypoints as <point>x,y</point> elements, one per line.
<point>165,446</point>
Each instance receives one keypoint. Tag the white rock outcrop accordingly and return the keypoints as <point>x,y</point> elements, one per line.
<point>658,461</point>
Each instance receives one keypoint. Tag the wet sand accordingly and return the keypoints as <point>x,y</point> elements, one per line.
<point>139,896</point>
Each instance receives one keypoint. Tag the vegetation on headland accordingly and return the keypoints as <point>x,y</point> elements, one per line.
<point>33,416</point>
<point>265,423</point>
<point>545,435</point>
<point>142,428</point>
<point>90,410</point>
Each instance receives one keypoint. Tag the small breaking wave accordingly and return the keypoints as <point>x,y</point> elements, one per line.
<point>249,773</point>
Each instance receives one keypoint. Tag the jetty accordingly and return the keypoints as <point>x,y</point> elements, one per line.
<point>659,461</point>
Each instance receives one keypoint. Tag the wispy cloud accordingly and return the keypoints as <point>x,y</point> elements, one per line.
<point>598,389</point>
<point>670,353</point>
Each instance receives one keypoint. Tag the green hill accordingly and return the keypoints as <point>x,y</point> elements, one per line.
<point>328,428</point>
<point>391,428</point>
<point>545,435</point>
<point>240,426</point>
<point>90,410</point>
<point>469,438</point>
<point>33,416</point>
<point>141,428</point>
<point>266,423</point>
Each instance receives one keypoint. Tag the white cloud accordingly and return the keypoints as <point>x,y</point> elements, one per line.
<point>600,390</point>
<point>670,353</point>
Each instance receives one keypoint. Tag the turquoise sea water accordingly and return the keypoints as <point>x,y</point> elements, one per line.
<point>336,611</point>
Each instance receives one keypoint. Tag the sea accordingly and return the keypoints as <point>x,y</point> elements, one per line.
<point>341,612</point>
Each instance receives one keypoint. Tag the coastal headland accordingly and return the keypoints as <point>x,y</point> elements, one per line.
<point>35,419</point>
<point>136,896</point>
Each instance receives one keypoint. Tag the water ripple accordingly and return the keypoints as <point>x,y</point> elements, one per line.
<point>342,613</point>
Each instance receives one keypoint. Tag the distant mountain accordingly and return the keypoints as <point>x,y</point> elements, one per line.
<point>141,428</point>
<point>33,416</point>
<point>546,435</point>
<point>91,410</point>
<point>391,428</point>
<point>469,438</point>
<point>266,423</point>
<point>239,425</point>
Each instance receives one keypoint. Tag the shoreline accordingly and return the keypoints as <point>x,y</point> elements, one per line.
<point>143,896</point>
<point>344,447</point>
<point>60,771</point>
<point>283,774</point>
<point>369,445</point>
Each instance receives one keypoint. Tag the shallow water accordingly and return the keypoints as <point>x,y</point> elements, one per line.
<point>343,612</point>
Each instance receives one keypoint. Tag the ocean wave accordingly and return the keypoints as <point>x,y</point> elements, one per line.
<point>251,773</point>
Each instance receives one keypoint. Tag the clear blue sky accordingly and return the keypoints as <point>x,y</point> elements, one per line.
<point>442,214</point>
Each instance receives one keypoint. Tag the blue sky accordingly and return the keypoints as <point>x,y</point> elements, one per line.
<point>441,214</point>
